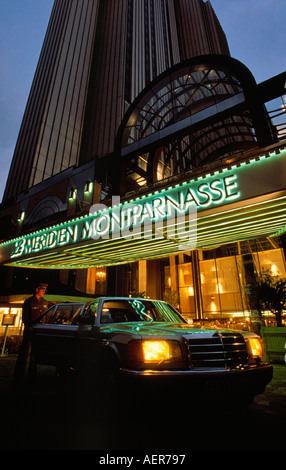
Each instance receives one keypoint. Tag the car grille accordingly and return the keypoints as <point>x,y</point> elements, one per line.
<point>220,350</point>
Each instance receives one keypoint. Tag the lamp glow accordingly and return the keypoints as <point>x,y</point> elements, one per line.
<point>155,351</point>
<point>256,347</point>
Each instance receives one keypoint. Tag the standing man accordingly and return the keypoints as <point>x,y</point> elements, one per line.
<point>33,308</point>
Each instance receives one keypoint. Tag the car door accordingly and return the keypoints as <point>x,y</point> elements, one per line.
<point>87,338</point>
<point>53,340</point>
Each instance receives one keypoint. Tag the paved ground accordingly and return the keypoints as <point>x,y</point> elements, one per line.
<point>52,416</point>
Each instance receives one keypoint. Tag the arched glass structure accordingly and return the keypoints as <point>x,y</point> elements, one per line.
<point>182,120</point>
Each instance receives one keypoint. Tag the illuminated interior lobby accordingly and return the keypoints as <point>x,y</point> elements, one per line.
<point>197,137</point>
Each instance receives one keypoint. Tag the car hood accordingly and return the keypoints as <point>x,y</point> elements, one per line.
<point>158,329</point>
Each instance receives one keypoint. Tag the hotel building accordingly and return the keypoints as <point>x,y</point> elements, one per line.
<point>147,162</point>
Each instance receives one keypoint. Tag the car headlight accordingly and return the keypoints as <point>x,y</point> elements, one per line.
<point>154,352</point>
<point>255,347</point>
<point>159,351</point>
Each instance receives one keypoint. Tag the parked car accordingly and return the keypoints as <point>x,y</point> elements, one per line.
<point>145,342</point>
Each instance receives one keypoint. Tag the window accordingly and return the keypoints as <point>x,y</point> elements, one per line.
<point>64,314</point>
<point>137,310</point>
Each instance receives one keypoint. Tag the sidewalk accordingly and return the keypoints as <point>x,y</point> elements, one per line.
<point>273,400</point>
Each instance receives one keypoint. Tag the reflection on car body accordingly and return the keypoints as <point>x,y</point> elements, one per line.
<point>146,341</point>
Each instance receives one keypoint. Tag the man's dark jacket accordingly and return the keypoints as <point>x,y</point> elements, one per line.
<point>33,308</point>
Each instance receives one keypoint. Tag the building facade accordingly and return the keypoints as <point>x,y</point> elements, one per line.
<point>130,99</point>
<point>87,77</point>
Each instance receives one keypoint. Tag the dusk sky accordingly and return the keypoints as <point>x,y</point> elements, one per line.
<point>255,30</point>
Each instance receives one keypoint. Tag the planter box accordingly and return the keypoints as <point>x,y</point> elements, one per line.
<point>274,343</point>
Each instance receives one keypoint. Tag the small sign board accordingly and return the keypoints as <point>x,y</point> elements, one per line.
<point>8,320</point>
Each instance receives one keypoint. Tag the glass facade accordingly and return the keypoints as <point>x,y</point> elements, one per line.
<point>215,281</point>
<point>224,275</point>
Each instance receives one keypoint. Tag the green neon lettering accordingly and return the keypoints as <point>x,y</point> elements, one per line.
<point>202,190</point>
<point>137,213</point>
<point>230,185</point>
<point>88,230</point>
<point>173,204</point>
<point>125,219</point>
<point>102,225</point>
<point>147,212</point>
<point>159,207</point>
<point>149,219</point>
<point>19,248</point>
<point>37,242</point>
<point>214,186</point>
<point>72,232</point>
<point>29,245</point>
<point>191,198</point>
<point>62,236</point>
<point>115,224</point>
<point>51,239</point>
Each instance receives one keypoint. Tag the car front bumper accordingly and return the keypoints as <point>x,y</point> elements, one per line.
<point>251,380</point>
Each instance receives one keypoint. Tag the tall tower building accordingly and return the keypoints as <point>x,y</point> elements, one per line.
<point>96,58</point>
<point>141,99</point>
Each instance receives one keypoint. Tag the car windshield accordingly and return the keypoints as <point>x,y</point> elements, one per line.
<point>138,310</point>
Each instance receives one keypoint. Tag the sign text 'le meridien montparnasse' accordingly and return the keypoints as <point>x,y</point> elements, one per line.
<point>138,218</point>
<point>147,216</point>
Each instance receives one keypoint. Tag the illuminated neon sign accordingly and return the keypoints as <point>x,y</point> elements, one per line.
<point>170,216</point>
<point>144,217</point>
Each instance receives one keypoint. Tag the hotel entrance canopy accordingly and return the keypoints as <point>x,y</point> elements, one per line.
<point>177,195</point>
<point>239,199</point>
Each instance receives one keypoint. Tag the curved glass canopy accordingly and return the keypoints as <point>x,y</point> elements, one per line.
<point>161,116</point>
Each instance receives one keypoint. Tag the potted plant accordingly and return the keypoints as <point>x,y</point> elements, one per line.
<point>267,293</point>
